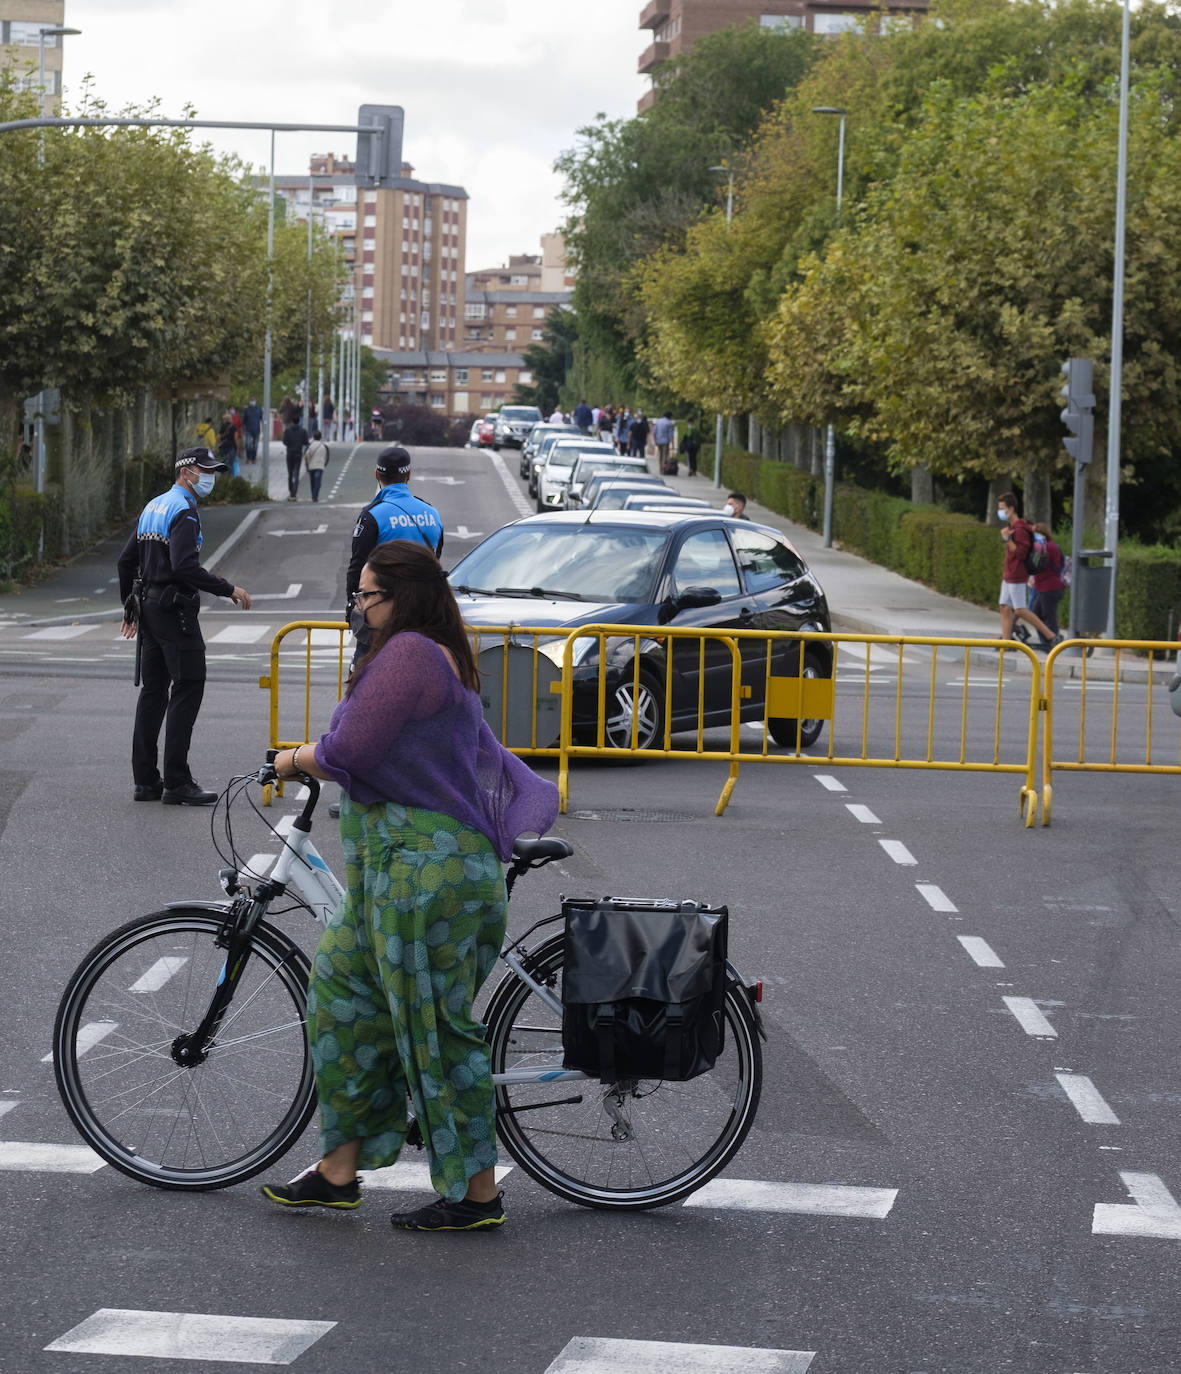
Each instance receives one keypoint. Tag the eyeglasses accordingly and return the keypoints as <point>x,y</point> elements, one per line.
<point>361,598</point>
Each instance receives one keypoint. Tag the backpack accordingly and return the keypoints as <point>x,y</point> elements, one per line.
<point>643,987</point>
<point>1036,560</point>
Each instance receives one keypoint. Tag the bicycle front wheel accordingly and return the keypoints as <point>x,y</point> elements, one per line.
<point>629,1145</point>
<point>202,1125</point>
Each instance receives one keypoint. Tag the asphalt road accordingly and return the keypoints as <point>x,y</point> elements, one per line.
<point>974,1021</point>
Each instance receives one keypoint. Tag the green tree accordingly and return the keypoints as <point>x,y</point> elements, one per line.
<point>549,361</point>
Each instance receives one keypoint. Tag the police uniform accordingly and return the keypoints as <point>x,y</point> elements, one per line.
<point>164,553</point>
<point>392,514</point>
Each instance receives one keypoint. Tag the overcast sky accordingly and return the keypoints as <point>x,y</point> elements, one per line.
<point>493,89</point>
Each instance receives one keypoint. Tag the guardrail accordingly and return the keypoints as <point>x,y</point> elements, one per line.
<point>1100,746</point>
<point>734,696</point>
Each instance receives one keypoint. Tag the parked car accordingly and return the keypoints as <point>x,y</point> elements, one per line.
<point>486,433</point>
<point>547,442</point>
<point>513,424</point>
<point>559,463</point>
<point>533,442</point>
<point>658,568</point>
<point>607,489</point>
<point>591,463</point>
<point>651,500</point>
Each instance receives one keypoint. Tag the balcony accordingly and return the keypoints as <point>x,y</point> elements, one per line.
<point>652,54</point>
<point>654,13</point>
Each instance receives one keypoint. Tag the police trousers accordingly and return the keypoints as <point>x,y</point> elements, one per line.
<point>172,674</point>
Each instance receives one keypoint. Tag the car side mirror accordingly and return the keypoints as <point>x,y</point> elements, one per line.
<point>693,597</point>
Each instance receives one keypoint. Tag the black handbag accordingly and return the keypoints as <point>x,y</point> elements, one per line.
<point>643,987</point>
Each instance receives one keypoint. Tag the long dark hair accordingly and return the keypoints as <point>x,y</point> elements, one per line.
<point>412,579</point>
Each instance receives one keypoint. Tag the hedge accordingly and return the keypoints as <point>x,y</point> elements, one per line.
<point>951,553</point>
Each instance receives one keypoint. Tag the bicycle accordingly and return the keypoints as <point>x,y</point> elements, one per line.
<point>181,1056</point>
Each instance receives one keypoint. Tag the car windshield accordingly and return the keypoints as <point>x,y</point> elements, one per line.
<point>566,455</point>
<point>520,413</point>
<point>576,562</point>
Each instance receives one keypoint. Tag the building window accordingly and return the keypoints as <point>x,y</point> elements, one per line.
<point>438,374</point>
<point>461,376</point>
<point>510,335</point>
<point>538,334</point>
<point>437,400</point>
<point>500,374</point>
<point>517,280</point>
<point>29,35</point>
<point>781,21</point>
<point>833,23</point>
<point>524,377</point>
<point>473,312</point>
<point>486,374</point>
<point>539,312</point>
<point>510,312</point>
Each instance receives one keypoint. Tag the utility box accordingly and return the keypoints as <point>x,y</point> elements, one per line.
<point>519,696</point>
<point>1090,591</point>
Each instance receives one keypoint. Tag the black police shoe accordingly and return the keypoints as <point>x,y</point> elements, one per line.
<point>148,791</point>
<point>188,794</point>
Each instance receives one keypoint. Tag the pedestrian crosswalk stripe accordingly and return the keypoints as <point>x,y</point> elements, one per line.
<point>1153,1211</point>
<point>410,1176</point>
<point>88,1037</point>
<point>1030,1016</point>
<point>816,1199</point>
<point>599,1355</point>
<point>154,978</point>
<point>27,1156</point>
<point>59,632</point>
<point>191,1336</point>
<point>240,634</point>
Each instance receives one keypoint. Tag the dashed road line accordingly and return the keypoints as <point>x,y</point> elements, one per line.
<point>813,1199</point>
<point>898,852</point>
<point>191,1336</point>
<point>980,951</point>
<point>154,978</point>
<point>862,814</point>
<point>1029,1016</point>
<point>935,897</point>
<point>1086,1099</point>
<point>28,1156</point>
<point>829,783</point>
<point>1153,1211</point>
<point>88,1037</point>
<point>600,1355</point>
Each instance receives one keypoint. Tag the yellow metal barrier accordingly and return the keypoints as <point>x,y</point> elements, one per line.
<point>531,676</point>
<point>1099,749</point>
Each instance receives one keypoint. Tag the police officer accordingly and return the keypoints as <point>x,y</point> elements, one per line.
<point>392,514</point>
<point>164,556</point>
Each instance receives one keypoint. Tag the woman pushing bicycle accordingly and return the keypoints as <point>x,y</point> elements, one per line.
<point>432,803</point>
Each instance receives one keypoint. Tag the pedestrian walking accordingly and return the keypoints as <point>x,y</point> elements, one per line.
<point>637,435</point>
<point>295,442</point>
<point>1048,586</point>
<point>1018,536</point>
<point>663,432</point>
<point>251,429</point>
<point>328,415</point>
<point>160,581</point>
<point>691,446</point>
<point>316,460</point>
<point>432,805</point>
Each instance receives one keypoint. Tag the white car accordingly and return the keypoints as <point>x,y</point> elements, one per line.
<point>591,463</point>
<point>559,463</point>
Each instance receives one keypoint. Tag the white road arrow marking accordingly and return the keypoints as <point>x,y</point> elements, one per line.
<point>1153,1211</point>
<point>446,479</point>
<point>462,532</point>
<point>278,534</point>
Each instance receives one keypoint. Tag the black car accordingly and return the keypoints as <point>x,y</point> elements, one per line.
<point>657,568</point>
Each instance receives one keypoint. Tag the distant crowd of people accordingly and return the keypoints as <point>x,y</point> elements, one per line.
<point>632,433</point>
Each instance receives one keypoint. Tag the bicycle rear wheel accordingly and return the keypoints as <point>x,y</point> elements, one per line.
<point>219,1121</point>
<point>634,1144</point>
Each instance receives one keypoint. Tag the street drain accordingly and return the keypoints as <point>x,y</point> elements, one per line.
<point>632,813</point>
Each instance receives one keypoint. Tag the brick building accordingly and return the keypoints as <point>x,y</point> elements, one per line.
<point>455,383</point>
<point>504,308</point>
<point>21,22</point>
<point>675,25</point>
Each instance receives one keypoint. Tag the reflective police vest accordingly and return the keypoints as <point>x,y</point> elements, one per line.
<point>155,521</point>
<point>398,515</point>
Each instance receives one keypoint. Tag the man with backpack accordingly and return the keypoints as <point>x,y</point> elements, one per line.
<point>1019,547</point>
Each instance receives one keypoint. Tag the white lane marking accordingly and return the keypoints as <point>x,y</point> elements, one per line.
<point>160,972</point>
<point>879,655</point>
<point>522,506</point>
<point>259,864</point>
<point>284,823</point>
<point>1087,1100</point>
<point>829,783</point>
<point>1152,1212</point>
<point>898,851</point>
<point>935,897</point>
<point>862,814</point>
<point>603,1355</point>
<point>293,590</point>
<point>26,1156</point>
<point>816,1199</point>
<point>462,532</point>
<point>240,634</point>
<point>6,1107</point>
<point>59,632</point>
<point>410,1177</point>
<point>980,951</point>
<point>191,1336</point>
<point>1029,1016</point>
<point>88,1037</point>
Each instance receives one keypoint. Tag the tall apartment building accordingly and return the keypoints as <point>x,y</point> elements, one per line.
<point>504,308</point>
<point>403,245</point>
<point>21,22</point>
<point>676,25</point>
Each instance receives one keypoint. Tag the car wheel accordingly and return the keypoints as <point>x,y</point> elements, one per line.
<point>643,700</point>
<point>541,506</point>
<point>784,730</point>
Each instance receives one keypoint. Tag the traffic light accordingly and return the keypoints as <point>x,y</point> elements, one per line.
<point>379,147</point>
<point>1078,407</point>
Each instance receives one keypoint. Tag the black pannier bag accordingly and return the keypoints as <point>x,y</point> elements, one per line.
<point>643,987</point>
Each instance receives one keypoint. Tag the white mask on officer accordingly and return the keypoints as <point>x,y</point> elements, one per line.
<point>204,484</point>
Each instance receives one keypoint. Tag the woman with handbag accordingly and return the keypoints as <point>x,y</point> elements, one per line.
<point>432,804</point>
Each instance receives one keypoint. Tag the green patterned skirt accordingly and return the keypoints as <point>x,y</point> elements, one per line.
<point>392,986</point>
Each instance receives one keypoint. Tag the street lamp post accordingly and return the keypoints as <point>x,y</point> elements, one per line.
<point>830,445</point>
<point>718,428</point>
<point>42,35</point>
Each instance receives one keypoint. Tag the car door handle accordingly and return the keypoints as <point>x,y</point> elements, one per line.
<point>746,613</point>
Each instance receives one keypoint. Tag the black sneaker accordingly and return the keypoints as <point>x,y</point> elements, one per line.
<point>445,1215</point>
<point>313,1190</point>
<point>188,794</point>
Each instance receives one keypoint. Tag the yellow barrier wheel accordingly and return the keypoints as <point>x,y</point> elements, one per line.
<point>1047,796</point>
<point>1028,806</point>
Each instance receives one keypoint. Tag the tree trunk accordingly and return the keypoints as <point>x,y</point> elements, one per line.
<point>996,489</point>
<point>1037,507</point>
<point>922,486</point>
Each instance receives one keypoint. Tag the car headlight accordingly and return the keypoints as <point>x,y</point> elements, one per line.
<point>584,647</point>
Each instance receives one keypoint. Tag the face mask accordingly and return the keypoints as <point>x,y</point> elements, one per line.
<point>727,509</point>
<point>204,484</point>
<point>357,621</point>
<point>1002,515</point>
